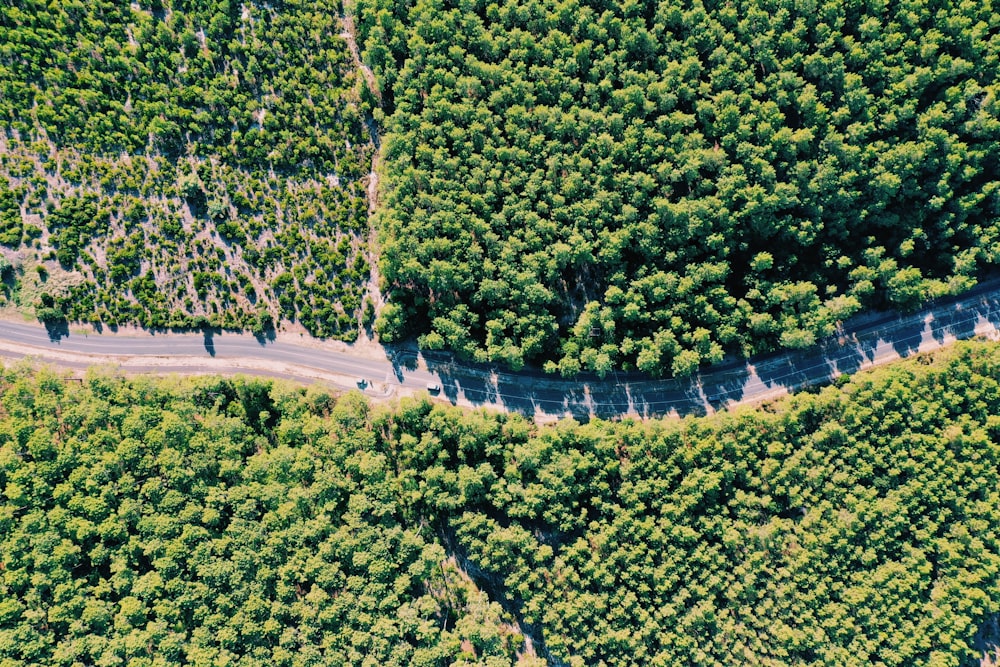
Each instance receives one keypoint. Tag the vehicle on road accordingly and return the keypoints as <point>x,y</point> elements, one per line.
<point>433,387</point>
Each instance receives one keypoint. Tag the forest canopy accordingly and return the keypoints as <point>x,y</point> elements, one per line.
<point>650,184</point>
<point>242,521</point>
<point>215,153</point>
<point>578,184</point>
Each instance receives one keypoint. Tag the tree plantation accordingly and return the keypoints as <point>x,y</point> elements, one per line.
<point>244,522</point>
<point>651,184</point>
<point>581,185</point>
<point>185,164</point>
<point>576,185</point>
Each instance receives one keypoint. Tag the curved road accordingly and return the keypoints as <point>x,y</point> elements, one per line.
<point>863,342</point>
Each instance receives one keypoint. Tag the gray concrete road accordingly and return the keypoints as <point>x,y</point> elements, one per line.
<point>863,342</point>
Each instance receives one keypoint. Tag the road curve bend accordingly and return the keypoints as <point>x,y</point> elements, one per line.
<point>862,342</point>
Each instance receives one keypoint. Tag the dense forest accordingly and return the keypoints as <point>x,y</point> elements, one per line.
<point>215,521</point>
<point>580,184</point>
<point>653,184</point>
<point>185,164</point>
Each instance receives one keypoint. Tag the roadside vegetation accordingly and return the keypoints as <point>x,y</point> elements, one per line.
<point>178,164</point>
<point>576,184</point>
<point>215,521</point>
<point>649,185</point>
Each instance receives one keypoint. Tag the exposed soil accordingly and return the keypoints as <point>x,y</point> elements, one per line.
<point>373,289</point>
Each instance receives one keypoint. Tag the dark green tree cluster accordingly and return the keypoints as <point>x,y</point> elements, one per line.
<point>203,132</point>
<point>651,184</point>
<point>74,224</point>
<point>242,522</point>
<point>10,216</point>
<point>245,82</point>
<point>217,522</point>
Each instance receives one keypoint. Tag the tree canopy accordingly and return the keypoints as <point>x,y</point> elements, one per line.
<point>214,521</point>
<point>221,149</point>
<point>573,183</point>
<point>650,185</point>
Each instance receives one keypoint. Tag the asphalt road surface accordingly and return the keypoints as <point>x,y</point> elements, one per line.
<point>863,342</point>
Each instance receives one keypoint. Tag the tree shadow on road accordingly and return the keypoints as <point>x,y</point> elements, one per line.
<point>266,335</point>
<point>402,359</point>
<point>56,329</point>
<point>908,338</point>
<point>960,322</point>
<point>209,335</point>
<point>985,643</point>
<point>533,393</point>
<point>795,369</point>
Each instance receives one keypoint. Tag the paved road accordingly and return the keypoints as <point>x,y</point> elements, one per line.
<point>863,342</point>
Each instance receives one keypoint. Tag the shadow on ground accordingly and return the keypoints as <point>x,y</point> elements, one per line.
<point>875,338</point>
<point>985,643</point>
<point>56,329</point>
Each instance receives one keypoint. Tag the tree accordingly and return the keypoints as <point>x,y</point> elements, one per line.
<point>733,185</point>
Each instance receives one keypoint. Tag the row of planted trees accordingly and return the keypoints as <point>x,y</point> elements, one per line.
<point>148,143</point>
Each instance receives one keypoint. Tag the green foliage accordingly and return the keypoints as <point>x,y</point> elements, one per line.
<point>597,184</point>
<point>10,217</point>
<point>49,314</point>
<point>211,520</point>
<point>74,224</point>
<point>124,259</point>
<point>834,529</point>
<point>219,137</point>
<point>209,79</point>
